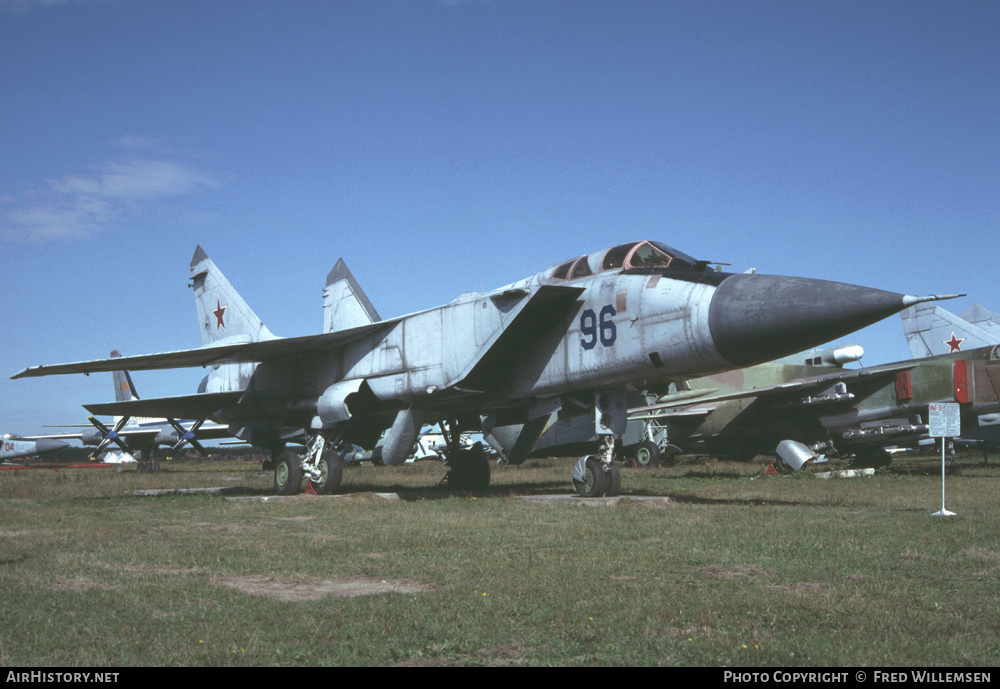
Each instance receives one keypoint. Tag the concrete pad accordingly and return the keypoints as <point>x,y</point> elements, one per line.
<point>388,497</point>
<point>845,473</point>
<point>594,502</point>
<point>183,491</point>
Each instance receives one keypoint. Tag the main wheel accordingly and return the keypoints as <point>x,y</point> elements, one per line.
<point>647,454</point>
<point>871,456</point>
<point>589,478</point>
<point>469,469</point>
<point>287,474</point>
<point>331,469</point>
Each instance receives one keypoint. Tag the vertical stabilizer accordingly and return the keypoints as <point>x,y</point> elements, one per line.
<point>932,330</point>
<point>223,318</point>
<point>124,389</point>
<point>984,319</point>
<point>345,304</point>
<point>222,314</point>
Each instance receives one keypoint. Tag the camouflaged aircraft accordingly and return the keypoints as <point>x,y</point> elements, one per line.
<point>573,337</point>
<point>932,330</point>
<point>797,410</point>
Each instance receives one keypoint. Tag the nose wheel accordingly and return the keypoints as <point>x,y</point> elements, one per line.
<point>593,480</point>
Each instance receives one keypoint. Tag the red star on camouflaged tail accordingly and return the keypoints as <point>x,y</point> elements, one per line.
<point>955,343</point>
<point>219,312</point>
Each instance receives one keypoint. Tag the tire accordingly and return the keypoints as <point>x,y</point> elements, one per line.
<point>871,456</point>
<point>614,482</point>
<point>593,483</point>
<point>647,455</point>
<point>332,472</point>
<point>469,470</point>
<point>287,474</point>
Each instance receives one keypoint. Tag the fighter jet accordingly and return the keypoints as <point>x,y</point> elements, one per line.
<point>672,420</point>
<point>574,337</point>
<point>932,330</point>
<point>799,411</point>
<point>14,446</point>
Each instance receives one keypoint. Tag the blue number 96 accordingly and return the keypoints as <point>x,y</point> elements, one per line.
<point>593,327</point>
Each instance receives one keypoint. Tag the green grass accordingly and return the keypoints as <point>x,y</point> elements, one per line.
<point>740,569</point>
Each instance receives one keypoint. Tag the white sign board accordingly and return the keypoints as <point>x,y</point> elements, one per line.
<point>945,420</point>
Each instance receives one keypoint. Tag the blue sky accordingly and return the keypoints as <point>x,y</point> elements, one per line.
<point>444,146</point>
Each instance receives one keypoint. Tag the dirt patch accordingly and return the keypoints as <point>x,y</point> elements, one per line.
<point>79,584</point>
<point>494,656</point>
<point>149,569</point>
<point>978,553</point>
<point>805,588</point>
<point>315,589</point>
<point>720,572</point>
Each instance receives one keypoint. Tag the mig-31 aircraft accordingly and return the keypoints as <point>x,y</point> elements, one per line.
<point>572,338</point>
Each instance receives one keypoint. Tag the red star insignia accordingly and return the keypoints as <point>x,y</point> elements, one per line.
<point>955,343</point>
<point>219,312</point>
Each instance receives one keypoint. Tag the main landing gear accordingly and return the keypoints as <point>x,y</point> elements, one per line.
<point>469,469</point>
<point>319,463</point>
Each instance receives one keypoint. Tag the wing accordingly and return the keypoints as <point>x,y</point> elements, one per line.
<point>266,350</point>
<point>199,406</point>
<point>792,392</point>
<point>547,305</point>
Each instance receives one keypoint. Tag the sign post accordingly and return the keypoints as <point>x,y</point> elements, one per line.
<point>945,422</point>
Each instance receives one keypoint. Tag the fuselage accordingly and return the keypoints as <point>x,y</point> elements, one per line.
<point>633,315</point>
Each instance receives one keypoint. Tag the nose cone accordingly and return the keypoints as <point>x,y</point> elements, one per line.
<point>757,318</point>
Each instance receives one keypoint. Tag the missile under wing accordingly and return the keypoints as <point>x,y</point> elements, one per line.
<point>573,337</point>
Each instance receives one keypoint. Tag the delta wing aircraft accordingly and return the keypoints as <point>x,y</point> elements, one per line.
<point>932,330</point>
<point>574,337</point>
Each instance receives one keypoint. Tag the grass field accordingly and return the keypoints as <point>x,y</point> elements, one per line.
<point>739,569</point>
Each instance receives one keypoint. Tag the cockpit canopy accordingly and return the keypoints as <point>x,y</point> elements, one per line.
<point>631,255</point>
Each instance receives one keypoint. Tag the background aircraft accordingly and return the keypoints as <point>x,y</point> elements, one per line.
<point>930,329</point>
<point>573,337</point>
<point>134,435</point>
<point>13,446</point>
<point>797,411</point>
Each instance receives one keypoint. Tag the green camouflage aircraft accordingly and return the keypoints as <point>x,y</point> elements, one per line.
<point>798,411</point>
